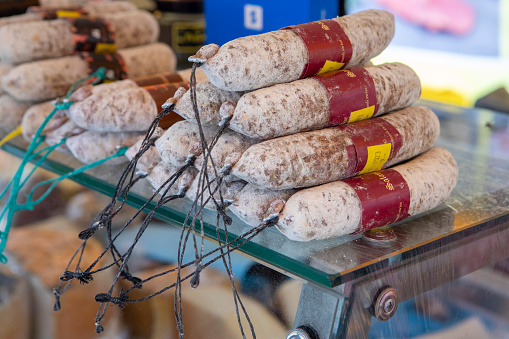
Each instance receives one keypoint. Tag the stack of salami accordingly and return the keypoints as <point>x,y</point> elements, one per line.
<point>300,150</point>
<point>46,50</point>
<point>105,117</point>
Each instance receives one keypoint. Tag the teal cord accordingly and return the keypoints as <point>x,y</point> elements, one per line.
<point>17,183</point>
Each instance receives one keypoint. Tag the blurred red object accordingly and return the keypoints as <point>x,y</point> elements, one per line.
<point>452,16</point>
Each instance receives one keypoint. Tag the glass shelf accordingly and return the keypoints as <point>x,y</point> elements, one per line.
<point>479,141</point>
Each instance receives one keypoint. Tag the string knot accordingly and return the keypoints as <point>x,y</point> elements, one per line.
<point>195,280</point>
<point>63,104</point>
<point>98,327</point>
<point>89,232</point>
<point>83,277</point>
<point>56,306</point>
<point>120,301</point>
<point>137,282</point>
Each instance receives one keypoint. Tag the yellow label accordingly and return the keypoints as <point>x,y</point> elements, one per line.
<point>377,157</point>
<point>105,48</point>
<point>330,66</point>
<point>362,114</point>
<point>68,14</point>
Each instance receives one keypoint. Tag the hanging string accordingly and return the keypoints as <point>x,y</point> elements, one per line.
<point>16,185</point>
<point>210,184</point>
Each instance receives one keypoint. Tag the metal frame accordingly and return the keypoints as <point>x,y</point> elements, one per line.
<point>346,311</point>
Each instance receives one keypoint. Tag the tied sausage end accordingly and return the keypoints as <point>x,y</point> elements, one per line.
<point>204,53</point>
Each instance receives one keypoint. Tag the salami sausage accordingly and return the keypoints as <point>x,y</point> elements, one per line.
<point>209,99</point>
<point>281,56</point>
<point>227,150</point>
<point>48,79</point>
<point>228,191</point>
<point>35,115</point>
<point>159,174</point>
<point>94,8</point>
<point>123,111</point>
<point>28,41</point>
<point>11,112</point>
<point>67,129</point>
<point>174,145</point>
<point>90,7</point>
<point>150,158</point>
<point>322,101</point>
<point>91,146</point>
<point>254,204</point>
<point>4,69</point>
<point>337,209</point>
<point>317,157</point>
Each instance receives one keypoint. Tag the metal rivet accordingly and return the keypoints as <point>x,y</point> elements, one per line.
<point>379,235</point>
<point>302,332</point>
<point>386,304</point>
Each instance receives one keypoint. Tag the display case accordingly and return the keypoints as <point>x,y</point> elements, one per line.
<point>350,279</point>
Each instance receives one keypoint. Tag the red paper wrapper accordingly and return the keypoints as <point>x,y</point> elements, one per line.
<point>352,95</point>
<point>329,48</point>
<point>374,143</point>
<point>384,196</point>
<point>114,63</point>
<point>160,93</point>
<point>169,77</point>
<point>92,35</point>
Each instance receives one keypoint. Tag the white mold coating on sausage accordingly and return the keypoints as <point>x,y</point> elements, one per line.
<point>303,105</point>
<point>48,79</point>
<point>45,79</point>
<point>4,69</point>
<point>11,112</point>
<point>229,191</point>
<point>36,114</point>
<point>148,59</point>
<point>209,99</point>
<point>317,157</point>
<point>174,145</point>
<point>252,203</point>
<point>122,111</point>
<point>150,158</point>
<point>27,41</point>
<point>159,174</point>
<point>228,143</point>
<point>258,61</point>
<point>91,146</point>
<point>334,209</point>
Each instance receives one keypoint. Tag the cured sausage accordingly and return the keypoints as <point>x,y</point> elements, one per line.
<point>209,99</point>
<point>282,56</point>
<point>93,8</point>
<point>150,158</point>
<point>4,69</point>
<point>339,208</point>
<point>28,41</point>
<point>48,79</point>
<point>254,204</point>
<point>228,191</point>
<point>35,115</point>
<point>11,112</point>
<point>174,145</point>
<point>317,157</point>
<point>91,146</point>
<point>227,150</point>
<point>66,130</point>
<point>332,99</point>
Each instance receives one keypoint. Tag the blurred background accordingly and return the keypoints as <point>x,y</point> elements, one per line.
<point>459,48</point>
